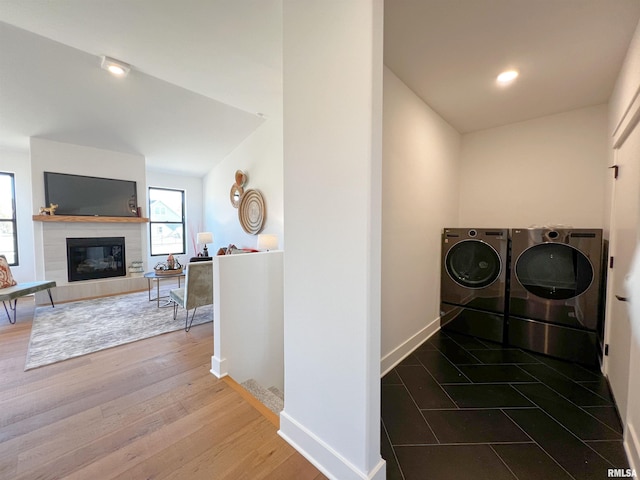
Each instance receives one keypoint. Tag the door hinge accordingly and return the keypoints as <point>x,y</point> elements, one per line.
<point>616,169</point>
<point>606,349</point>
<point>610,262</point>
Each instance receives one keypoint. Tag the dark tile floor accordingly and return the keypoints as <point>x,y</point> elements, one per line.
<point>460,407</point>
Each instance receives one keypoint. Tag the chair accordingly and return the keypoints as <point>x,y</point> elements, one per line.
<point>197,291</point>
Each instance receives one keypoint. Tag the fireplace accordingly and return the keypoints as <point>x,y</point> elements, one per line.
<point>92,258</point>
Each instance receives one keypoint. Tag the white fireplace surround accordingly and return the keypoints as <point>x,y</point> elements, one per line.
<point>54,241</point>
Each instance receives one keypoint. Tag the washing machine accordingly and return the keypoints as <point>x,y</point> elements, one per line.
<point>473,282</point>
<point>555,299</point>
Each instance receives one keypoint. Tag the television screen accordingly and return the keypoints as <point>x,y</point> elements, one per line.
<point>90,196</point>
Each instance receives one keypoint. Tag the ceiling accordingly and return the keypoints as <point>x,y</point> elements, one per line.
<point>206,74</point>
<point>449,52</point>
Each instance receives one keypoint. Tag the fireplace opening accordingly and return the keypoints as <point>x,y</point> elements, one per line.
<point>92,258</point>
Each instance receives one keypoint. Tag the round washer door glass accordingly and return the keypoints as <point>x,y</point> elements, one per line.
<point>554,270</point>
<point>473,264</point>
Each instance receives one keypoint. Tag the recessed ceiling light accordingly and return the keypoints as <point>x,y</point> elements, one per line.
<point>115,67</point>
<point>507,77</point>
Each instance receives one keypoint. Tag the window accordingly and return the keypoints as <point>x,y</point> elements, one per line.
<point>166,221</point>
<point>8,231</point>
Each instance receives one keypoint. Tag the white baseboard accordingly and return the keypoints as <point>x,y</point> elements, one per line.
<point>632,446</point>
<point>322,456</point>
<point>219,367</point>
<point>393,358</point>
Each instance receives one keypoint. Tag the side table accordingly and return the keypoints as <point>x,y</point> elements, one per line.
<point>153,276</point>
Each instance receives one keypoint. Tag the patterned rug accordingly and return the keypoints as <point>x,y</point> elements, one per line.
<point>73,329</point>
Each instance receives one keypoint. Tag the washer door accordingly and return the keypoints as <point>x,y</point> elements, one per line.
<point>473,264</point>
<point>554,271</point>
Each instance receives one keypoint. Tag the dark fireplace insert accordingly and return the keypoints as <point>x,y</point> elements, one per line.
<point>92,258</point>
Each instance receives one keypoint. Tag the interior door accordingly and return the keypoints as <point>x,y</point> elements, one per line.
<point>624,237</point>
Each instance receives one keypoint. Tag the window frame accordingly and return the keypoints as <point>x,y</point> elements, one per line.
<point>13,219</point>
<point>152,222</point>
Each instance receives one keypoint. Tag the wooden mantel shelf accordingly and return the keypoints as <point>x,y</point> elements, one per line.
<point>88,219</point>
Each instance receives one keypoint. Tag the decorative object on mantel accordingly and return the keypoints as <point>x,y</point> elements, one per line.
<point>237,190</point>
<point>203,239</point>
<point>50,210</point>
<point>267,241</point>
<point>251,212</point>
<point>136,269</point>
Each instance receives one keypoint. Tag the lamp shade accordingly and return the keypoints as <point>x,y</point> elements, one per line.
<point>267,241</point>
<point>204,238</point>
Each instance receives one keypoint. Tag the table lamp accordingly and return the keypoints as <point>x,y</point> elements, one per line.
<point>203,239</point>
<point>267,241</point>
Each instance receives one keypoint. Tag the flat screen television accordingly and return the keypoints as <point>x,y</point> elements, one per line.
<point>90,196</point>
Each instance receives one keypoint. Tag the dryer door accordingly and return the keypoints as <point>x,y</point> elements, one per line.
<point>554,271</point>
<point>473,264</point>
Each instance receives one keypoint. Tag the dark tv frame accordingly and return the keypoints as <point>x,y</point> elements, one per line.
<point>101,181</point>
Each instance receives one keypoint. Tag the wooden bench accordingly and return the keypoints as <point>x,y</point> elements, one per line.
<point>20,290</point>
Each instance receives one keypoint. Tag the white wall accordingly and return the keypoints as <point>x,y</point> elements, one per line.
<point>260,157</point>
<point>248,332</point>
<point>332,181</point>
<point>192,187</point>
<point>19,164</point>
<point>420,176</point>
<point>550,170</point>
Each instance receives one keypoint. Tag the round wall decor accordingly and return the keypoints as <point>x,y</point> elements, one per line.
<point>251,212</point>
<point>241,178</point>
<point>235,195</point>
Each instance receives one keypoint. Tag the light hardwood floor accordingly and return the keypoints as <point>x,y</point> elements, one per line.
<point>150,409</point>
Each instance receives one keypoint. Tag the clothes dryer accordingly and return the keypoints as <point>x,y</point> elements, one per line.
<point>473,281</point>
<point>555,300</point>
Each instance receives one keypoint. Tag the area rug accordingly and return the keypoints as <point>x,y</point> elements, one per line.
<point>73,329</point>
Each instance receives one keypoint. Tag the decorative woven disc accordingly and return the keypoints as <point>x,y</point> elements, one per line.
<point>241,178</point>
<point>235,195</point>
<point>251,212</point>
